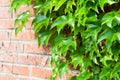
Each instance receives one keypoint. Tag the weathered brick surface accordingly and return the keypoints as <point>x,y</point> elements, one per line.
<point>6,23</point>
<point>33,48</point>
<point>41,72</point>
<point>1,68</point>
<point>4,3</point>
<point>4,13</point>
<point>20,56</point>
<point>26,35</point>
<point>7,68</point>
<point>8,57</point>
<point>3,35</point>
<point>21,70</point>
<point>7,77</point>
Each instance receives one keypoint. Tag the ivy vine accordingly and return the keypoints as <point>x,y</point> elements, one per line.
<point>82,33</point>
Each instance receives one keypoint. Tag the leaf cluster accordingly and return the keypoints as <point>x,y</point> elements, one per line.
<point>82,33</point>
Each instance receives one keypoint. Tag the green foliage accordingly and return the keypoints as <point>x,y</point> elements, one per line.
<point>82,33</point>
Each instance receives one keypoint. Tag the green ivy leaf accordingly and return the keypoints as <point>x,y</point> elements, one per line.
<point>77,60</point>
<point>105,59</point>
<point>39,22</point>
<point>16,4</point>
<point>105,71</point>
<point>103,2</point>
<point>60,22</point>
<point>73,78</point>
<point>115,70</point>
<point>63,67</point>
<point>44,36</point>
<point>84,76</point>
<point>66,44</point>
<point>108,19</point>
<point>59,4</point>
<point>105,34</point>
<point>69,6</point>
<point>22,19</point>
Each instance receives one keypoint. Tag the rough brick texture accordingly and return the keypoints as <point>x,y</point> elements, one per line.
<point>20,56</point>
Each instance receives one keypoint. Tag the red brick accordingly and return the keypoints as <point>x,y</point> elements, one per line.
<point>8,57</point>
<point>27,35</point>
<point>39,79</point>
<point>21,70</point>
<point>33,48</point>
<point>3,35</point>
<point>42,60</point>
<point>7,68</point>
<point>43,73</point>
<point>4,13</point>
<point>19,47</point>
<point>20,78</point>
<point>8,46</point>
<point>34,60</point>
<point>1,67</point>
<point>7,77</point>
<point>7,23</point>
<point>25,59</point>
<point>4,2</point>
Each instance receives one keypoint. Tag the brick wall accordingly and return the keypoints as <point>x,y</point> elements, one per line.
<point>20,57</point>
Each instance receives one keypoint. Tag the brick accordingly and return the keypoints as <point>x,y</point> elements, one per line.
<point>25,59</point>
<point>3,35</point>
<point>41,72</point>
<point>7,23</point>
<point>33,48</point>
<point>21,70</point>
<point>20,78</point>
<point>19,47</point>
<point>8,57</point>
<point>4,13</point>
<point>39,79</point>
<point>26,35</point>
<point>4,3</point>
<point>7,46</point>
<point>23,9</point>
<point>28,78</point>
<point>42,61</point>
<point>7,77</point>
<point>1,67</point>
<point>7,68</point>
<point>34,60</point>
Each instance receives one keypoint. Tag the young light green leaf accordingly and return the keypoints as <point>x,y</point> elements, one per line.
<point>59,4</point>
<point>103,2</point>
<point>77,60</point>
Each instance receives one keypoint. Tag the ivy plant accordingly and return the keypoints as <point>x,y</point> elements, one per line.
<point>83,34</point>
